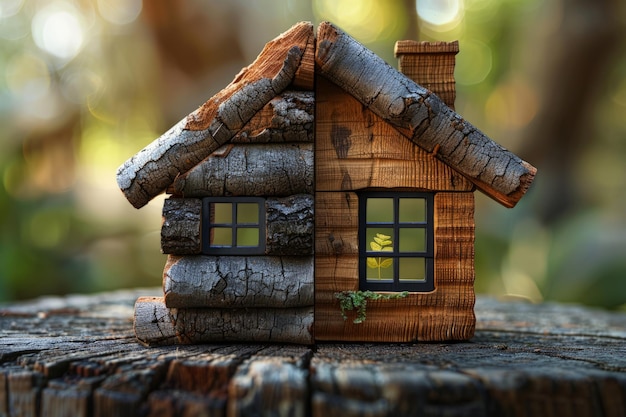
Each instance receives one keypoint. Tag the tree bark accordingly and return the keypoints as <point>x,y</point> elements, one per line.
<point>290,225</point>
<point>421,116</point>
<point>251,170</point>
<point>151,170</point>
<point>238,282</point>
<point>286,118</point>
<point>155,324</point>
<point>181,229</point>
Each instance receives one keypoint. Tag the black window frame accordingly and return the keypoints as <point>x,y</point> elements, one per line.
<point>207,225</point>
<point>396,285</point>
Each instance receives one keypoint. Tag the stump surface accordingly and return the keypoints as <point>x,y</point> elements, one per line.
<point>77,356</point>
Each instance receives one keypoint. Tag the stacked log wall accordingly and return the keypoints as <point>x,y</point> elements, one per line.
<point>268,297</point>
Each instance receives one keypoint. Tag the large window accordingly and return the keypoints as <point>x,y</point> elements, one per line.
<point>396,241</point>
<point>233,225</point>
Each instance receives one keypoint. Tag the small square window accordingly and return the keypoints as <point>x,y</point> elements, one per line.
<point>233,225</point>
<point>396,242</point>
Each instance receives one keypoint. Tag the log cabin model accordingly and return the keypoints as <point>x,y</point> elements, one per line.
<point>321,178</point>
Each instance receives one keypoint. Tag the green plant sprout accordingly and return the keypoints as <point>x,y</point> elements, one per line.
<point>357,300</point>
<point>381,243</point>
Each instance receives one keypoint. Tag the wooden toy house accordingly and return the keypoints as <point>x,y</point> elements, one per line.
<point>321,171</point>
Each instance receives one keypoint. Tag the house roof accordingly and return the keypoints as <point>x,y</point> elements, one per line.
<point>288,60</point>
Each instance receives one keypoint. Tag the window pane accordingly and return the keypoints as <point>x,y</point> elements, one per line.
<point>412,269</point>
<point>222,213</point>
<point>221,237</point>
<point>379,210</point>
<point>248,213</point>
<point>379,239</point>
<point>380,269</point>
<point>412,210</point>
<point>412,240</point>
<point>247,236</point>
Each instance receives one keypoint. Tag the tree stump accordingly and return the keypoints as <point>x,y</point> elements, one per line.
<point>77,356</point>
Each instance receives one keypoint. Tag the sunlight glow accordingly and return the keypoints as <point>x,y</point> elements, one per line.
<point>366,20</point>
<point>58,30</point>
<point>10,7</point>
<point>440,12</point>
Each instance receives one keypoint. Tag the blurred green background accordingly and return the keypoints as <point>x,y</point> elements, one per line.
<point>84,84</point>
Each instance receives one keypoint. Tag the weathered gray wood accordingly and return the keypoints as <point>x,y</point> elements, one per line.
<point>421,116</point>
<point>251,170</point>
<point>288,117</point>
<point>238,281</point>
<point>181,229</point>
<point>289,226</point>
<point>526,359</point>
<point>210,325</point>
<point>155,167</point>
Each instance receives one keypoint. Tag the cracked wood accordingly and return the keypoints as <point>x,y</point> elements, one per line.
<point>155,324</point>
<point>421,116</point>
<point>251,170</point>
<point>288,117</point>
<point>238,282</point>
<point>77,356</point>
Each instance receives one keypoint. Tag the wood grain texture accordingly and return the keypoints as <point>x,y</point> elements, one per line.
<point>155,324</point>
<point>181,227</point>
<point>238,282</point>
<point>356,149</point>
<point>251,170</point>
<point>286,118</point>
<point>447,313</point>
<point>79,353</point>
<point>431,65</point>
<point>155,167</point>
<point>272,383</point>
<point>421,116</point>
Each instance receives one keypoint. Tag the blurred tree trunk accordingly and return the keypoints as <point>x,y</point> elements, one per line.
<point>575,59</point>
<point>197,44</point>
<point>412,30</point>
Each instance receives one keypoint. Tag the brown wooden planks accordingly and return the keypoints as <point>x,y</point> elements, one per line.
<point>357,149</point>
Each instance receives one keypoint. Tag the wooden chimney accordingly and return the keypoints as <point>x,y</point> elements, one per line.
<point>431,65</point>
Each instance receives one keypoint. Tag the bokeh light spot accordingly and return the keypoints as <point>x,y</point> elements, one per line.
<point>58,30</point>
<point>366,20</point>
<point>440,12</point>
<point>10,7</point>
